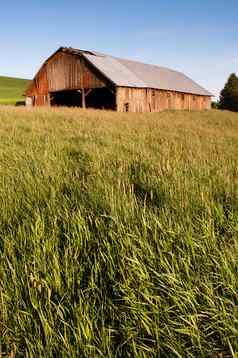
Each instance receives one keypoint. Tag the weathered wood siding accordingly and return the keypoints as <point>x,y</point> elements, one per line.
<point>39,88</point>
<point>69,72</point>
<point>149,100</point>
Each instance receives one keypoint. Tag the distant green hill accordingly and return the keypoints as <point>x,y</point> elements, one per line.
<point>12,89</point>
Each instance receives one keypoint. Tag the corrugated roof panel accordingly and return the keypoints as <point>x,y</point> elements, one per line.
<point>163,78</point>
<point>115,71</point>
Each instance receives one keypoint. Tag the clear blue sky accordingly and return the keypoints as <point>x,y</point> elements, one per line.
<point>198,38</point>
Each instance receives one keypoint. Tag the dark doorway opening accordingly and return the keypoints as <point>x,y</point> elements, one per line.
<point>66,98</point>
<point>101,98</point>
<point>98,98</point>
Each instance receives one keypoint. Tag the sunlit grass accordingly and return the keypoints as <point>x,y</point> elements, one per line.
<point>118,234</point>
<point>12,90</point>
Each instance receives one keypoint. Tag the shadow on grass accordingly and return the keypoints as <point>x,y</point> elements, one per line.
<point>146,192</point>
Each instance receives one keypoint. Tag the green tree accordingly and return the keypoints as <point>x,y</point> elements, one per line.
<point>229,95</point>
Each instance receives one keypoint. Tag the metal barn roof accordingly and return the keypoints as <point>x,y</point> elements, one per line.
<point>127,73</point>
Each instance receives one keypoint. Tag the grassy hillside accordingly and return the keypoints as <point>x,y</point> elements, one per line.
<point>12,90</point>
<point>119,234</point>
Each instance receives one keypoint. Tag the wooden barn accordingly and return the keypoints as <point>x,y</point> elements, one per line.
<point>87,79</point>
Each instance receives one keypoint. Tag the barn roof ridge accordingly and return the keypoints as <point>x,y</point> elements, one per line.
<point>101,54</point>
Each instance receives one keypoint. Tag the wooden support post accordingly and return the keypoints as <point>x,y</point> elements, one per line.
<point>49,100</point>
<point>83,98</point>
<point>82,85</point>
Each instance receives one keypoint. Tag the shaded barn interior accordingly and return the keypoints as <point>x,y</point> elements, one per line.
<point>70,98</point>
<point>98,98</point>
<point>77,78</point>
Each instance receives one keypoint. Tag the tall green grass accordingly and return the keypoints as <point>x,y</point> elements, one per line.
<point>118,234</point>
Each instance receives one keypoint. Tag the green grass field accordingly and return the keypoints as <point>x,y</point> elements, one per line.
<point>119,234</point>
<point>12,90</point>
